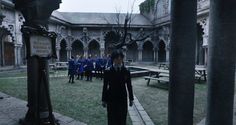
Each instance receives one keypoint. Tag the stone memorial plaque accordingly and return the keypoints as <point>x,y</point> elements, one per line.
<point>40,46</point>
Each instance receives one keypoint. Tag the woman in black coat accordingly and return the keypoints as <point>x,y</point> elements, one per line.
<point>114,95</point>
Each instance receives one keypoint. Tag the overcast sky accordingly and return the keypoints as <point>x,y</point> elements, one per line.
<point>105,6</point>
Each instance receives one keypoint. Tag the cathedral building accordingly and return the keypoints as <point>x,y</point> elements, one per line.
<point>84,33</point>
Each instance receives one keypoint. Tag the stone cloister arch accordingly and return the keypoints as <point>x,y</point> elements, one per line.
<point>132,52</point>
<point>7,47</point>
<point>161,51</point>
<point>94,48</point>
<point>148,52</point>
<point>200,51</point>
<point>63,51</point>
<point>77,48</point>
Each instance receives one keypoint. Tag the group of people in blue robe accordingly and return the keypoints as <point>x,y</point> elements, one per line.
<point>87,67</point>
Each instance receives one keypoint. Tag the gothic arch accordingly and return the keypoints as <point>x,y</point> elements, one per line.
<point>94,48</point>
<point>94,39</point>
<point>200,53</point>
<point>132,52</point>
<point>63,50</point>
<point>8,29</point>
<point>7,48</point>
<point>162,51</point>
<point>148,53</point>
<point>77,48</point>
<point>7,44</point>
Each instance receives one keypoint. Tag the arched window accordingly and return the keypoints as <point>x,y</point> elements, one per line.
<point>94,48</point>
<point>162,51</point>
<point>63,51</point>
<point>148,53</point>
<point>77,48</point>
<point>132,52</point>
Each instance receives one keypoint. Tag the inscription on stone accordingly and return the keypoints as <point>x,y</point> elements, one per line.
<point>40,46</point>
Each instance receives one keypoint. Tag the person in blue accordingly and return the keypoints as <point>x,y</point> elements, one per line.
<point>98,67</point>
<point>71,69</point>
<point>80,68</point>
<point>108,61</point>
<point>88,67</point>
<point>102,62</point>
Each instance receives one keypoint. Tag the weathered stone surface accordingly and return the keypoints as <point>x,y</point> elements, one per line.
<point>12,109</point>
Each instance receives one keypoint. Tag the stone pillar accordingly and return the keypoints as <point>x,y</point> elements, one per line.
<point>125,52</point>
<point>37,14</point>
<point>1,49</point>
<point>156,55</point>
<point>86,52</point>
<point>206,56</point>
<point>102,52</point>
<point>1,15</point>
<point>17,52</point>
<point>221,62</point>
<point>182,62</point>
<point>58,53</point>
<point>68,49</point>
<point>2,53</point>
<point>19,55</point>
<point>167,55</point>
<point>205,25</point>
<point>140,54</point>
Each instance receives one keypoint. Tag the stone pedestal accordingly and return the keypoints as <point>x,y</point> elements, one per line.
<point>36,14</point>
<point>39,103</point>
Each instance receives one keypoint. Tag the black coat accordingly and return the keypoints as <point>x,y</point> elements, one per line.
<point>115,94</point>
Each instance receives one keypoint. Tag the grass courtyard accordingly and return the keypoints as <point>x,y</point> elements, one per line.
<point>82,100</point>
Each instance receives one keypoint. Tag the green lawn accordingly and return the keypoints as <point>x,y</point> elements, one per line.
<point>81,101</point>
<point>155,100</point>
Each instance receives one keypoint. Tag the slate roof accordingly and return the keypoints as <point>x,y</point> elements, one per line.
<point>98,18</point>
<point>80,18</point>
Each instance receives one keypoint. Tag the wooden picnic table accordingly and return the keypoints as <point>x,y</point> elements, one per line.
<point>202,72</point>
<point>163,74</point>
<point>157,74</point>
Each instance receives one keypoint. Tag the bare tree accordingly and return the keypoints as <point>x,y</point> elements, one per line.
<point>120,34</point>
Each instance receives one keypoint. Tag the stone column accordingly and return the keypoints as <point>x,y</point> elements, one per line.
<point>102,52</point>
<point>125,52</point>
<point>167,55</point>
<point>19,55</point>
<point>1,15</point>
<point>58,53</point>
<point>156,54</point>
<point>206,56</point>
<point>85,52</point>
<point>221,62</point>
<point>182,62</point>
<point>205,25</point>
<point>17,52</point>
<point>1,49</point>
<point>2,53</point>
<point>37,14</point>
<point>68,49</point>
<point>140,54</point>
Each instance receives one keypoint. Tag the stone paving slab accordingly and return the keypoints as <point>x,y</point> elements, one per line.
<point>138,115</point>
<point>12,109</point>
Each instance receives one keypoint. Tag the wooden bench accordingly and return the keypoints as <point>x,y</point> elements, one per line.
<point>164,75</point>
<point>160,79</point>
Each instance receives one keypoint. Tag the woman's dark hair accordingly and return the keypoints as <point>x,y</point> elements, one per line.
<point>115,54</point>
